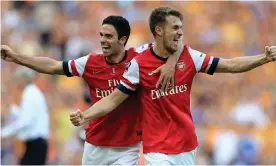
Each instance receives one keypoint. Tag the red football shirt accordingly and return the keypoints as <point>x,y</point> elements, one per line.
<point>167,121</point>
<point>122,127</point>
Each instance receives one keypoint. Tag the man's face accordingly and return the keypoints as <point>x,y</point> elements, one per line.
<point>172,33</point>
<point>109,40</point>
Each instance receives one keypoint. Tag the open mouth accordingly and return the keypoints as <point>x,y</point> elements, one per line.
<point>175,41</point>
<point>106,48</point>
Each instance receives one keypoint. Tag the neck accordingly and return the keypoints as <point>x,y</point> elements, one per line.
<point>160,50</point>
<point>116,58</point>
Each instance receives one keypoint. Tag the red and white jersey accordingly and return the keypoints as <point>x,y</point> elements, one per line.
<point>122,127</point>
<point>167,121</point>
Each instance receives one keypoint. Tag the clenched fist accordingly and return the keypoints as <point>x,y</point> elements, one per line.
<point>270,53</point>
<point>77,118</point>
<point>7,53</point>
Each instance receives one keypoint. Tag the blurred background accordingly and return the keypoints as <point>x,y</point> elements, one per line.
<point>234,114</point>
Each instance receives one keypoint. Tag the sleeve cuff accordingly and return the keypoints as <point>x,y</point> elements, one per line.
<point>213,66</point>
<point>125,90</point>
<point>66,69</point>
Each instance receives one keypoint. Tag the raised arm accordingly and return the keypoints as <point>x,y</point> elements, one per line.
<point>244,64</point>
<point>39,64</point>
<point>127,86</point>
<point>99,109</point>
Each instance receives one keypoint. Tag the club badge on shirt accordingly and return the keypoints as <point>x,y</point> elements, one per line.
<point>181,65</point>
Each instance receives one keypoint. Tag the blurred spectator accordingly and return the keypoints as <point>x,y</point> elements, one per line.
<point>225,149</point>
<point>249,111</point>
<point>31,123</point>
<point>247,151</point>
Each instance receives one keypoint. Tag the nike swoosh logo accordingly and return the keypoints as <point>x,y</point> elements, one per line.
<point>96,72</point>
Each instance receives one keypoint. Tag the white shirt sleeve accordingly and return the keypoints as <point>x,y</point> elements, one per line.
<point>27,112</point>
<point>130,80</point>
<point>203,63</point>
<point>75,67</point>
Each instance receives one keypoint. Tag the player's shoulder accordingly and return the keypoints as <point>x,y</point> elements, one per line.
<point>138,51</point>
<point>143,58</point>
<point>143,55</point>
<point>187,48</point>
<point>95,55</point>
<point>91,60</point>
<point>143,47</point>
<point>191,50</point>
<point>92,56</point>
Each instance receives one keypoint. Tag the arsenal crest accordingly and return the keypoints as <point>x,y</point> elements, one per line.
<point>181,65</point>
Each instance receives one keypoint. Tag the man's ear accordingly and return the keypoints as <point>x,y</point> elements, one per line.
<point>123,40</point>
<point>159,30</point>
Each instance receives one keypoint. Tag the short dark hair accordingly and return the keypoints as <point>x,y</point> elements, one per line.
<point>158,16</point>
<point>120,24</point>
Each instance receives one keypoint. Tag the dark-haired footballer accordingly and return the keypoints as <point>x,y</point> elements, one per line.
<point>114,138</point>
